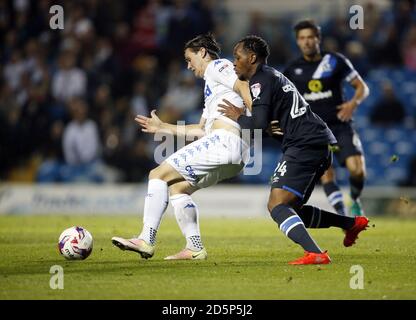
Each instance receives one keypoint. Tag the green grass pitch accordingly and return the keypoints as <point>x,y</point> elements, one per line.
<point>247,259</point>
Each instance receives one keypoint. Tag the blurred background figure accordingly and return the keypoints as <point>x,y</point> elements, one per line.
<point>388,110</point>
<point>81,145</point>
<point>69,80</point>
<point>181,99</point>
<point>81,142</point>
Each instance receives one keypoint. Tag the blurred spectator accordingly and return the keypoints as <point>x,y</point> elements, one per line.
<point>174,68</point>
<point>78,24</point>
<point>80,140</point>
<point>338,28</point>
<point>82,149</point>
<point>258,24</point>
<point>403,15</point>
<point>11,137</point>
<point>138,102</point>
<point>355,51</point>
<point>409,49</point>
<point>387,48</point>
<point>279,54</point>
<point>13,70</point>
<point>52,165</point>
<point>330,44</point>
<point>181,99</point>
<point>104,60</point>
<point>139,162</point>
<point>183,25</point>
<point>388,110</point>
<point>134,160</point>
<point>102,102</point>
<point>144,37</point>
<point>147,70</point>
<point>69,81</point>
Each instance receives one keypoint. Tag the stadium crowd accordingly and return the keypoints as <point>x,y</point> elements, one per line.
<point>68,97</point>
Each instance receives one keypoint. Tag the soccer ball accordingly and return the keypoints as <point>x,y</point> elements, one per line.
<point>75,243</point>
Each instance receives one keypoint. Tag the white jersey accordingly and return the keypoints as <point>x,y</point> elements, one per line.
<point>220,78</point>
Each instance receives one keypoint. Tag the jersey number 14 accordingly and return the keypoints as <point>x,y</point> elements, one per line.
<point>295,111</point>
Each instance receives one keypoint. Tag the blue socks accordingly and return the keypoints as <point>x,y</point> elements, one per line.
<point>292,226</point>
<point>334,196</point>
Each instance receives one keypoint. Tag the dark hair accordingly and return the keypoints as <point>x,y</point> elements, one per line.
<point>308,24</point>
<point>206,41</point>
<point>256,45</point>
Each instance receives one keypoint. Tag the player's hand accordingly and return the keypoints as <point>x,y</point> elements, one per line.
<point>274,129</point>
<point>149,125</point>
<point>229,110</point>
<point>346,111</point>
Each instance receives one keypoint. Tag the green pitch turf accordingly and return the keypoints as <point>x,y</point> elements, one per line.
<point>247,260</point>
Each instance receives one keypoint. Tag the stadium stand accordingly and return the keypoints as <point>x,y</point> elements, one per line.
<point>126,56</point>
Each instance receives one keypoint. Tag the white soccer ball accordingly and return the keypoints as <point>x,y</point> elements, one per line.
<point>75,243</point>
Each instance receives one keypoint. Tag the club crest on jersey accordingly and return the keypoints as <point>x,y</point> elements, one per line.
<point>255,90</point>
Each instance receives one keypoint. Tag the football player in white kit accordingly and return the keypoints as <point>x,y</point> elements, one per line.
<point>219,154</point>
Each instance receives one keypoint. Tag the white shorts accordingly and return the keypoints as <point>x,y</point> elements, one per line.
<point>217,156</point>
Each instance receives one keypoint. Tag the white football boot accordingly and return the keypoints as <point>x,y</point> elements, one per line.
<point>140,246</point>
<point>188,254</point>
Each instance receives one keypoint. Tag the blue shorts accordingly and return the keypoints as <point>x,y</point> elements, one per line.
<point>300,169</point>
<point>349,143</point>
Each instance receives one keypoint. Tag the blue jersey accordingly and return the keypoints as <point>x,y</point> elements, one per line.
<point>320,82</point>
<point>276,98</point>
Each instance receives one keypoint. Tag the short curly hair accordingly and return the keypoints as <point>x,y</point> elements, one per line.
<point>257,45</point>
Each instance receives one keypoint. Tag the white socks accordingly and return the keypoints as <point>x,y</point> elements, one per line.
<point>186,213</point>
<point>155,205</point>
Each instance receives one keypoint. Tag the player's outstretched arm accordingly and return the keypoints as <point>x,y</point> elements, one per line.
<point>149,125</point>
<point>155,125</point>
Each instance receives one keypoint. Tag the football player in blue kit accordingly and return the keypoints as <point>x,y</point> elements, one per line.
<point>305,145</point>
<point>319,77</point>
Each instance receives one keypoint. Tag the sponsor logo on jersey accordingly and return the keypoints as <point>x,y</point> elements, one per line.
<point>207,91</point>
<point>313,96</point>
<point>255,91</point>
<point>315,85</point>
<point>223,67</point>
<point>298,71</point>
<point>217,62</point>
<point>191,172</point>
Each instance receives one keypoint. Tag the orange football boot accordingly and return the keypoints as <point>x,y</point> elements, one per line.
<point>313,258</point>
<point>360,224</point>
